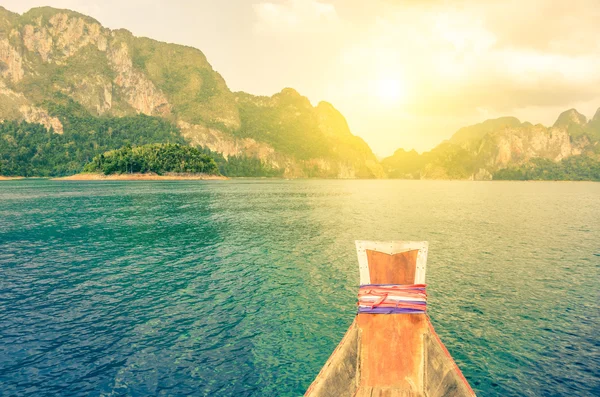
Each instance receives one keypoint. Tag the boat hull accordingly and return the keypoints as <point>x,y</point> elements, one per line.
<point>390,354</point>
<point>407,360</point>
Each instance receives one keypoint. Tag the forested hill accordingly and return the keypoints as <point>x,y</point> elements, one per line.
<point>29,149</point>
<point>49,57</point>
<point>71,90</point>
<point>506,148</point>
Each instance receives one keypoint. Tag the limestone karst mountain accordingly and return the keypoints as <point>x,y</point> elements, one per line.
<point>479,151</point>
<point>94,89</point>
<point>50,57</point>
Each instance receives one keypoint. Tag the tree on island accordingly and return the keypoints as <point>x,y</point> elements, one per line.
<point>574,168</point>
<point>154,158</point>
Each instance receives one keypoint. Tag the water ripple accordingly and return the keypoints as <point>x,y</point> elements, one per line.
<point>244,288</point>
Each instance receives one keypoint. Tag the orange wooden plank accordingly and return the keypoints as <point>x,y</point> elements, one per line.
<point>392,350</point>
<point>393,392</point>
<point>392,269</point>
<point>364,392</point>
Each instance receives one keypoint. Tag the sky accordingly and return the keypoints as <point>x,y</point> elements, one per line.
<point>405,74</point>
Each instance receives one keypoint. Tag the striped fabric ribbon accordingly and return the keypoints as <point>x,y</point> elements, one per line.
<point>392,298</point>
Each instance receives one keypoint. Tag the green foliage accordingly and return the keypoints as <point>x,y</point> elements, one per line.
<point>32,16</point>
<point>113,131</point>
<point>593,129</point>
<point>196,92</point>
<point>89,60</point>
<point>31,150</point>
<point>173,80</point>
<point>289,124</point>
<point>473,134</point>
<point>403,164</point>
<point>156,158</point>
<point>80,74</point>
<point>243,166</point>
<point>209,85</point>
<point>456,162</point>
<point>139,58</point>
<point>445,161</point>
<point>578,127</point>
<point>449,161</point>
<point>574,168</point>
<point>576,131</point>
<point>7,19</point>
<point>28,149</point>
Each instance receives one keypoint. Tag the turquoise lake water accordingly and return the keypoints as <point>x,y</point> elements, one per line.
<point>245,287</point>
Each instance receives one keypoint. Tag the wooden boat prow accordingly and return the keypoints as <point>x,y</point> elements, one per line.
<point>390,355</point>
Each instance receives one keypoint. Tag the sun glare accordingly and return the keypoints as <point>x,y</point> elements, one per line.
<point>390,91</point>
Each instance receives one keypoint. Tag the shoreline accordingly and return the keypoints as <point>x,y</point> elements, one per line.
<point>141,177</point>
<point>198,177</point>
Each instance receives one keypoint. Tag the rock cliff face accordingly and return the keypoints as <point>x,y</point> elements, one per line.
<point>477,151</point>
<point>34,114</point>
<point>570,118</point>
<point>14,105</point>
<point>140,92</point>
<point>318,137</point>
<point>522,144</point>
<point>11,62</point>
<point>48,52</point>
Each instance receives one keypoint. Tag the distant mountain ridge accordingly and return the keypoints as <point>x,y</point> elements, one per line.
<point>48,54</point>
<point>479,151</point>
<point>95,89</point>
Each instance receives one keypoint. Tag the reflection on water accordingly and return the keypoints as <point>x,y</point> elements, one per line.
<point>245,287</point>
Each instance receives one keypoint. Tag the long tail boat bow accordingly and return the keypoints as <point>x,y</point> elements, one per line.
<point>391,348</point>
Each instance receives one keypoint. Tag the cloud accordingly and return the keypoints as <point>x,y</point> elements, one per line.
<point>456,59</point>
<point>295,16</point>
<point>567,27</point>
<point>461,62</point>
<point>456,62</point>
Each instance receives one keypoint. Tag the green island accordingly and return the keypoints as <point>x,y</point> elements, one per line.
<point>154,158</point>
